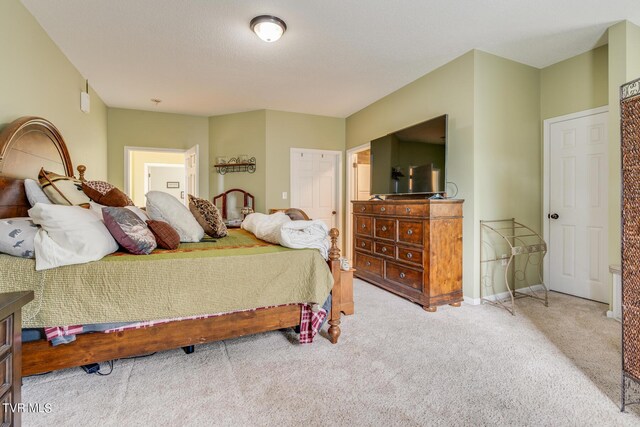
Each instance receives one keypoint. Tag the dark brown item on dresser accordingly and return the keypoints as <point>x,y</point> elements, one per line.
<point>247,199</point>
<point>11,353</point>
<point>412,248</point>
<point>47,146</point>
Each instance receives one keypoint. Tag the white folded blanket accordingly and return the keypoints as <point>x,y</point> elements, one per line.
<point>278,228</point>
<point>306,234</point>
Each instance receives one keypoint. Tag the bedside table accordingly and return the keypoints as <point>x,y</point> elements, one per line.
<point>11,352</point>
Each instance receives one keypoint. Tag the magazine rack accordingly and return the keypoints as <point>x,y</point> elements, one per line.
<point>511,257</point>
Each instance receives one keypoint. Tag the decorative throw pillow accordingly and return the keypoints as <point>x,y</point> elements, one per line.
<point>16,237</point>
<point>129,230</point>
<point>207,216</point>
<point>166,236</point>
<point>105,194</point>
<point>35,193</point>
<point>69,235</point>
<point>164,207</point>
<point>62,190</point>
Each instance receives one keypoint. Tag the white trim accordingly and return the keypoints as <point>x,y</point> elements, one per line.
<point>546,151</point>
<point>339,169</point>
<point>186,178</point>
<point>348,239</point>
<point>127,164</point>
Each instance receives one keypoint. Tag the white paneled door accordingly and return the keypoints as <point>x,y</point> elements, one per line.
<point>314,184</point>
<point>191,170</point>
<point>578,207</point>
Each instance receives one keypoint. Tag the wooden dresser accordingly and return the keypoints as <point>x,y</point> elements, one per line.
<point>11,353</point>
<point>412,248</point>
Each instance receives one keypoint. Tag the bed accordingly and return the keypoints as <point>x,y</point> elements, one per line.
<point>30,143</point>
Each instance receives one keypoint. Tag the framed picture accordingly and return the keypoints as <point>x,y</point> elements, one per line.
<point>173,184</point>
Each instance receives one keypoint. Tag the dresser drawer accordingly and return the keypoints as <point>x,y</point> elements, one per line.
<point>413,256</point>
<point>383,209</point>
<point>410,232</point>
<point>361,208</point>
<point>364,244</point>
<point>404,275</point>
<point>385,228</point>
<point>411,210</point>
<point>363,225</point>
<point>385,249</point>
<point>368,263</point>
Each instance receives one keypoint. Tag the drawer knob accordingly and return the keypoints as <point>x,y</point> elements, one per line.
<point>384,249</point>
<point>409,232</point>
<point>363,244</point>
<point>402,275</point>
<point>408,210</point>
<point>368,263</point>
<point>382,209</point>
<point>364,226</point>
<point>384,228</point>
<point>409,255</point>
<point>362,209</point>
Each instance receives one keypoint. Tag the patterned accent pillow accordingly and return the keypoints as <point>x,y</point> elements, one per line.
<point>207,216</point>
<point>106,194</point>
<point>129,230</point>
<point>16,237</point>
<point>166,236</point>
<point>62,190</point>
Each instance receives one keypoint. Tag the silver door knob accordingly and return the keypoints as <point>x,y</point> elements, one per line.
<point>384,249</point>
<point>384,228</point>
<point>409,255</point>
<point>363,244</point>
<point>408,210</point>
<point>382,209</point>
<point>364,226</point>
<point>362,209</point>
<point>368,263</point>
<point>553,216</point>
<point>402,275</point>
<point>409,232</point>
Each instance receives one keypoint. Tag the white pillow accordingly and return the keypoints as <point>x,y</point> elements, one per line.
<point>69,235</point>
<point>17,236</point>
<point>164,207</point>
<point>35,193</point>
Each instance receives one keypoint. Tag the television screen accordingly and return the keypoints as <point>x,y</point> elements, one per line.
<point>411,160</point>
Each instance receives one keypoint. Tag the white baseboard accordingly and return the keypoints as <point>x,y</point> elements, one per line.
<point>502,295</point>
<point>611,315</point>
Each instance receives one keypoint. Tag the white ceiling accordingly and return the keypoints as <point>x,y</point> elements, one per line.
<point>336,57</point>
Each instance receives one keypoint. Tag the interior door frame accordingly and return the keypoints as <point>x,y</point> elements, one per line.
<point>127,164</point>
<point>348,238</point>
<point>546,171</point>
<point>339,171</point>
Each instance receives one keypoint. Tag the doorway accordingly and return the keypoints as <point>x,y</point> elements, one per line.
<point>358,186</point>
<point>316,184</point>
<point>575,204</point>
<point>170,170</point>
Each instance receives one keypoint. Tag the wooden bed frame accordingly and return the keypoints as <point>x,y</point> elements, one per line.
<point>30,143</point>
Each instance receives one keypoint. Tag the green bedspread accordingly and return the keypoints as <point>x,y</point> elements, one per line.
<point>237,272</point>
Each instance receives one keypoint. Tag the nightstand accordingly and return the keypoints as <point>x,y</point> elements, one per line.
<point>11,352</point>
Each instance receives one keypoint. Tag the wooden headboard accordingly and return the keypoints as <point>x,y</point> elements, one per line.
<point>26,145</point>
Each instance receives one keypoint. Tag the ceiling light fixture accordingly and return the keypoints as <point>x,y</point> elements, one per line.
<point>269,28</point>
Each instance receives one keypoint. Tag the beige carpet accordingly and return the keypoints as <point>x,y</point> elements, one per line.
<point>395,365</point>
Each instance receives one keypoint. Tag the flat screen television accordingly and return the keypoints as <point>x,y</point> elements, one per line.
<point>412,160</point>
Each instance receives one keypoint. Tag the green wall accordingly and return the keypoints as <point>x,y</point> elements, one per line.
<point>446,90</point>
<point>575,84</point>
<point>241,133</point>
<point>36,79</point>
<point>135,128</point>
<point>508,155</point>
<point>286,130</point>
<point>268,136</point>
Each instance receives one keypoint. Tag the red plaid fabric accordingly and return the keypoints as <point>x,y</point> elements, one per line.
<point>310,322</point>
